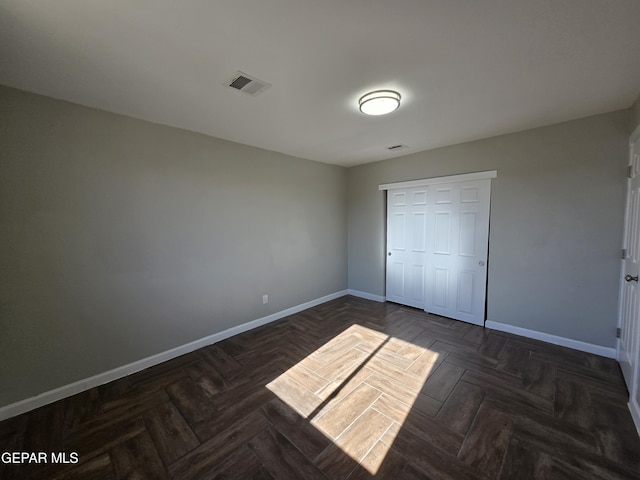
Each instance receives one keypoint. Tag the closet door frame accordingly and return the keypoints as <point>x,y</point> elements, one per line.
<point>408,187</point>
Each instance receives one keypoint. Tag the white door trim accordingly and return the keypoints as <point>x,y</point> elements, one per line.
<point>463,177</point>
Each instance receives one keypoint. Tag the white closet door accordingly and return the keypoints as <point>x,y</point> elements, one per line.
<point>457,250</point>
<point>406,245</point>
<point>629,343</point>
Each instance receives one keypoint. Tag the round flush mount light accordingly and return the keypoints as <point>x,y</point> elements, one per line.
<point>379,102</point>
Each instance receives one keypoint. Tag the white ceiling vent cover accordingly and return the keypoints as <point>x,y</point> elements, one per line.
<point>247,84</point>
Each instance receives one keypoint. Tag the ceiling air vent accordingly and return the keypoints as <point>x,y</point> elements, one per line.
<point>247,84</point>
<point>399,146</point>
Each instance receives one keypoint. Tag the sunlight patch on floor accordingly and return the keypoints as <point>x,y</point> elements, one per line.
<point>357,389</point>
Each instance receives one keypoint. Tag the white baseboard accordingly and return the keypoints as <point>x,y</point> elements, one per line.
<point>59,393</point>
<point>367,296</point>
<point>609,352</point>
<point>634,408</point>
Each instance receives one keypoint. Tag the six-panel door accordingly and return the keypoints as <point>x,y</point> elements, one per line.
<point>456,261</point>
<point>406,245</point>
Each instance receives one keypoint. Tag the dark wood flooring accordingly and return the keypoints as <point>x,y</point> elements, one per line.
<point>349,389</point>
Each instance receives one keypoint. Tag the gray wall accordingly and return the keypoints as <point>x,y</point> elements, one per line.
<point>635,115</point>
<point>120,239</point>
<point>556,222</point>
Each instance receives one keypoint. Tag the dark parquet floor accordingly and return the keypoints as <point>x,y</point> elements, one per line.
<point>351,389</point>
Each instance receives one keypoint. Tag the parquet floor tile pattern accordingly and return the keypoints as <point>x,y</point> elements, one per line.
<point>350,389</point>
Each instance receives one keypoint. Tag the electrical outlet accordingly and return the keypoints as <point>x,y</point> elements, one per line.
<point>265,299</point>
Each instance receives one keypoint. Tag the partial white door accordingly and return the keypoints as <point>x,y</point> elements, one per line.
<point>628,344</point>
<point>457,250</point>
<point>406,245</point>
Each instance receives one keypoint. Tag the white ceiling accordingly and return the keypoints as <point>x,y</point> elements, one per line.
<point>466,69</point>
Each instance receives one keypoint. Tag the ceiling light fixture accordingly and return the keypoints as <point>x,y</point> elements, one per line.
<point>379,102</point>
